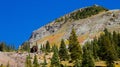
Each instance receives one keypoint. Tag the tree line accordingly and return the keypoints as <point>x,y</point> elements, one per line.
<point>106,48</point>
<point>6,47</point>
<point>87,12</point>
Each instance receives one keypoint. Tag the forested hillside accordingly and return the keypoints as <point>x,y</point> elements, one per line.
<point>104,48</point>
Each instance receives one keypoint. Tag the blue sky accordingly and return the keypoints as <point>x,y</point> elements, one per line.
<point>18,18</point>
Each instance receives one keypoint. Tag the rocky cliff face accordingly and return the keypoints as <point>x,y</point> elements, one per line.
<point>86,27</point>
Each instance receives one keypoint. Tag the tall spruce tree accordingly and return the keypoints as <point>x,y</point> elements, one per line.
<point>78,63</point>
<point>107,49</point>
<point>45,63</point>
<point>54,47</point>
<point>74,47</point>
<point>87,57</point>
<point>55,62</point>
<point>115,42</point>
<point>63,52</point>
<point>28,62</point>
<point>110,52</point>
<point>41,47</point>
<point>47,46</point>
<point>2,46</point>
<point>25,46</point>
<point>95,49</point>
<point>118,37</point>
<point>115,39</point>
<point>35,61</point>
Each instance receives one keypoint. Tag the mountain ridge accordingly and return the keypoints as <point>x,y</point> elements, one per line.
<point>60,28</point>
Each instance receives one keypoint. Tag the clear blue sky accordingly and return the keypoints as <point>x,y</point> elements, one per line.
<point>18,18</point>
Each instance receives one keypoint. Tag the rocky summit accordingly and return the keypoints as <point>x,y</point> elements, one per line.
<point>89,22</point>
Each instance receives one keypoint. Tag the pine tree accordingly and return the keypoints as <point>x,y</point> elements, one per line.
<point>87,58</point>
<point>118,37</point>
<point>95,49</point>
<point>28,61</point>
<point>48,46</point>
<point>77,63</point>
<point>63,53</point>
<point>41,47</point>
<point>106,32</point>
<point>54,47</point>
<point>115,39</point>
<point>74,47</point>
<point>25,46</point>
<point>45,63</point>
<point>108,50</point>
<point>115,42</point>
<point>55,58</point>
<point>35,62</point>
<point>2,46</point>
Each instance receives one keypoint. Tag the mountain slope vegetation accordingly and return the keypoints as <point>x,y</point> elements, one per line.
<point>88,22</point>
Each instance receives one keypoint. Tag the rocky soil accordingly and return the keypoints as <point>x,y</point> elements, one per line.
<point>13,58</point>
<point>18,59</point>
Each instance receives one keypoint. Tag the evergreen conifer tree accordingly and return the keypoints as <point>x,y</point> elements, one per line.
<point>54,47</point>
<point>2,46</point>
<point>77,63</point>
<point>74,47</point>
<point>48,46</point>
<point>28,61</point>
<point>118,37</point>
<point>35,62</point>
<point>108,50</point>
<point>110,53</point>
<point>45,63</point>
<point>55,62</point>
<point>87,60</point>
<point>25,46</point>
<point>95,49</point>
<point>63,53</point>
<point>43,48</point>
<point>115,39</point>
